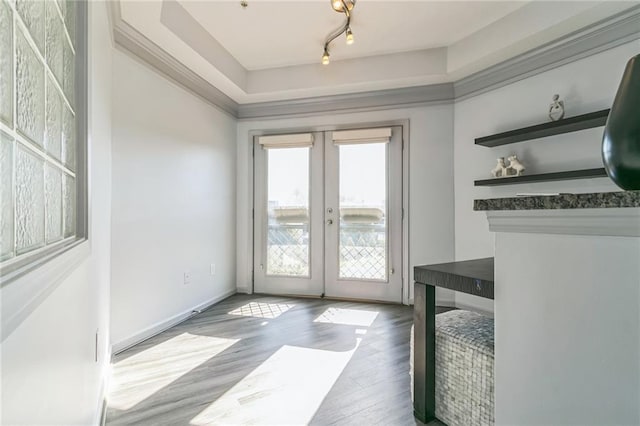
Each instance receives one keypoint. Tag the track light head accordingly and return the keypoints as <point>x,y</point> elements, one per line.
<point>325,57</point>
<point>349,36</point>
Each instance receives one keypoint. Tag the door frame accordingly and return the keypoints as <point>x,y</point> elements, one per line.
<point>245,264</point>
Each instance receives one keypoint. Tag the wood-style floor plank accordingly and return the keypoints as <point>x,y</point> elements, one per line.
<point>259,360</point>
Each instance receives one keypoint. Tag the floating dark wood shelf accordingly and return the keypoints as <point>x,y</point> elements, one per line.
<point>544,177</point>
<point>566,125</point>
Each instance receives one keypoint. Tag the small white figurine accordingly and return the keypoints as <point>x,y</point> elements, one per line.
<point>500,170</point>
<point>515,165</point>
<point>556,108</point>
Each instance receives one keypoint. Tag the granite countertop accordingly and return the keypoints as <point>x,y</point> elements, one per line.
<point>596,200</point>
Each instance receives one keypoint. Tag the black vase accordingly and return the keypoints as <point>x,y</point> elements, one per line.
<point>621,141</point>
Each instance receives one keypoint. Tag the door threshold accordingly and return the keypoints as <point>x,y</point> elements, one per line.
<point>333,298</point>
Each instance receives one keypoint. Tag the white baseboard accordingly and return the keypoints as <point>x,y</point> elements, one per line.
<point>473,308</point>
<point>101,415</point>
<point>166,324</point>
<point>446,303</point>
<point>439,302</point>
<point>244,290</point>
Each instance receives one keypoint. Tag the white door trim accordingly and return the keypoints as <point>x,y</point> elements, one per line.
<point>245,215</point>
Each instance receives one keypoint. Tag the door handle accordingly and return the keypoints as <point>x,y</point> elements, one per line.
<point>330,222</point>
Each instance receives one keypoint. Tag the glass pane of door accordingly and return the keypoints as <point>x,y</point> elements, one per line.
<point>288,212</point>
<point>363,212</point>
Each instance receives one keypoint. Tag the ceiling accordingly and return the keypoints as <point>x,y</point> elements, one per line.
<point>271,34</point>
<point>271,50</point>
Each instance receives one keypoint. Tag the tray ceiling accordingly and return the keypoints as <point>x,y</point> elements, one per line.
<point>271,50</point>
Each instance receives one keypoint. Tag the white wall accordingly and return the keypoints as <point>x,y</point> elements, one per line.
<point>49,375</point>
<point>586,85</point>
<point>173,209</point>
<point>567,329</point>
<point>430,181</point>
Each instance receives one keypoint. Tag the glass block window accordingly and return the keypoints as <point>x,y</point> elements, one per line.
<point>42,137</point>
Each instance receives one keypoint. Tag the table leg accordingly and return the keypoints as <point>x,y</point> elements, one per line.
<point>424,360</point>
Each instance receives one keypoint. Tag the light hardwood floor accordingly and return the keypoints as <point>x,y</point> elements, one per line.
<point>262,360</point>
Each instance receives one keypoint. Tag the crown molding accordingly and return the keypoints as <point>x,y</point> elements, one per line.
<point>133,41</point>
<point>183,25</point>
<point>598,37</point>
<point>365,101</point>
<point>606,34</point>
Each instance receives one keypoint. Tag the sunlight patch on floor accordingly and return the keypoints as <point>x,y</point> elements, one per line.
<point>262,310</point>
<point>354,317</point>
<point>138,377</point>
<point>286,389</point>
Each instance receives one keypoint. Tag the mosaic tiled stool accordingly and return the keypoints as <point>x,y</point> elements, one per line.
<point>464,368</point>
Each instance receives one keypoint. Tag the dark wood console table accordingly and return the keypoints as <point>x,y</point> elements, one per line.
<point>472,277</point>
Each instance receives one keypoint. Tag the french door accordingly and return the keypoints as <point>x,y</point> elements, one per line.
<point>328,214</point>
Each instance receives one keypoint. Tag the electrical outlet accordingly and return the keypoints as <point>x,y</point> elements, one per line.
<point>213,269</point>
<point>187,277</point>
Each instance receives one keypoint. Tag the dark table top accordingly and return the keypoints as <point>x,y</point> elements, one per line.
<point>470,276</point>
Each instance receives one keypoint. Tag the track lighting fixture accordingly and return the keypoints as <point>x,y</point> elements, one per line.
<point>340,6</point>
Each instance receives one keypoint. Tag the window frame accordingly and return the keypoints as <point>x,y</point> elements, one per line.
<point>21,264</point>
